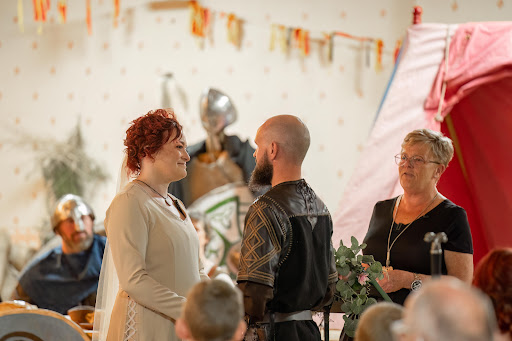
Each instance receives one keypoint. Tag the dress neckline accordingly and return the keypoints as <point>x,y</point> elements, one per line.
<point>175,201</point>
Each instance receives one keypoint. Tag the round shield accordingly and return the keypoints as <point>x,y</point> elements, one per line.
<point>222,211</point>
<point>38,325</point>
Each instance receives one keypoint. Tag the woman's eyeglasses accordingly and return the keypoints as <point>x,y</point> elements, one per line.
<point>401,159</point>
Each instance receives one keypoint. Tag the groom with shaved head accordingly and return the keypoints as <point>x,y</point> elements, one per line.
<point>287,267</point>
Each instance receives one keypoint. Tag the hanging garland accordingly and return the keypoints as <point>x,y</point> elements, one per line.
<point>200,22</point>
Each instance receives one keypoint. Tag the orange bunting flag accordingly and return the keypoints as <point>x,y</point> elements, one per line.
<point>62,7</point>
<point>40,9</point>
<point>301,40</point>
<point>234,29</point>
<point>88,17</point>
<point>197,20</point>
<point>207,18</point>
<point>398,46</point>
<point>379,46</point>
<point>116,12</point>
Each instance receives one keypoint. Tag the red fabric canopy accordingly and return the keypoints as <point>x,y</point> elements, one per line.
<point>477,111</point>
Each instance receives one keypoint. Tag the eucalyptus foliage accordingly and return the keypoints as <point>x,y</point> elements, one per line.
<point>354,268</point>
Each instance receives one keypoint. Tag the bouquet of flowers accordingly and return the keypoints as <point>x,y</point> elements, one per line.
<point>356,273</point>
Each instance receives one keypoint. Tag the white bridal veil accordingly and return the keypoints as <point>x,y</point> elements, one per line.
<point>108,284</point>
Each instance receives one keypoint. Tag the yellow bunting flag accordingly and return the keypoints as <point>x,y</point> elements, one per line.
<point>20,16</point>
<point>283,38</point>
<point>233,26</point>
<point>273,37</point>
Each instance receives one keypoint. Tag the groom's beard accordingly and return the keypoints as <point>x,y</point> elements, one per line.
<point>261,176</point>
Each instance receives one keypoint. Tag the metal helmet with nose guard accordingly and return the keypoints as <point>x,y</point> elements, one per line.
<point>71,206</point>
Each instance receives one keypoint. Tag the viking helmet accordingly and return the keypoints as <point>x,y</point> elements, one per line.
<point>71,206</point>
<point>216,110</point>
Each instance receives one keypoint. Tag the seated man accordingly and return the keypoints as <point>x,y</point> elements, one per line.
<point>375,323</point>
<point>446,309</point>
<point>213,311</point>
<point>67,275</point>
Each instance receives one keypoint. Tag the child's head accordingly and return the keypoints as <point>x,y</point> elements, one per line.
<point>214,311</point>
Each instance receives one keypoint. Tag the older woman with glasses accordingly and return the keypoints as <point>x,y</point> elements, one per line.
<point>398,225</point>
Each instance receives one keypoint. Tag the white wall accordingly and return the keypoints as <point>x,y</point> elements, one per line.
<point>49,80</point>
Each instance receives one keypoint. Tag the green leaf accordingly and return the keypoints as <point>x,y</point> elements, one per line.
<point>376,267</point>
<point>344,271</point>
<point>370,301</point>
<point>368,259</point>
<point>359,258</point>
<point>345,307</point>
<point>363,291</point>
<point>363,246</point>
<point>354,241</point>
<point>340,285</point>
<point>348,254</point>
<point>357,308</point>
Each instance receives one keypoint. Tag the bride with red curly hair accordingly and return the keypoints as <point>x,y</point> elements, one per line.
<point>154,246</point>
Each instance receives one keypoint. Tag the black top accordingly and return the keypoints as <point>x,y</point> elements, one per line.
<point>286,258</point>
<point>410,252</point>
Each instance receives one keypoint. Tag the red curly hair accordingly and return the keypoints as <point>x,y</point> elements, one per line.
<point>493,276</point>
<point>147,134</point>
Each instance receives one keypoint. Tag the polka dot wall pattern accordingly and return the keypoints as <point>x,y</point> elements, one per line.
<point>109,78</point>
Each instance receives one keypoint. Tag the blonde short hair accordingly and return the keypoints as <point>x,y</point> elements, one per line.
<point>440,146</point>
<point>213,310</point>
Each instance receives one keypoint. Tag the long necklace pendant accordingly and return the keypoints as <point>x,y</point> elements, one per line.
<point>168,201</point>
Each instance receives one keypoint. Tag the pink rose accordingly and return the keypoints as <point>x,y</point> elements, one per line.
<point>363,278</point>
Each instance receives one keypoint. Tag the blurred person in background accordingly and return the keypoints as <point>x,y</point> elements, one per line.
<point>493,276</point>
<point>67,275</point>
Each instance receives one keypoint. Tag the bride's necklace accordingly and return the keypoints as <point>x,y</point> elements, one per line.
<point>167,199</point>
<point>389,247</point>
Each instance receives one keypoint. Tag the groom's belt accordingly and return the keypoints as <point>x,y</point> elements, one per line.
<point>303,315</point>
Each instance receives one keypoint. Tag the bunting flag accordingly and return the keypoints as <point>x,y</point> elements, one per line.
<point>40,9</point>
<point>62,7</point>
<point>398,46</point>
<point>273,37</point>
<point>302,41</point>
<point>207,20</point>
<point>379,46</point>
<point>197,19</point>
<point>88,17</point>
<point>234,26</point>
<point>116,12</point>
<point>330,47</point>
<point>20,16</point>
<point>287,39</point>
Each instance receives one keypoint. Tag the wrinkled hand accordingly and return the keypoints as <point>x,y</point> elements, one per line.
<point>394,280</point>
